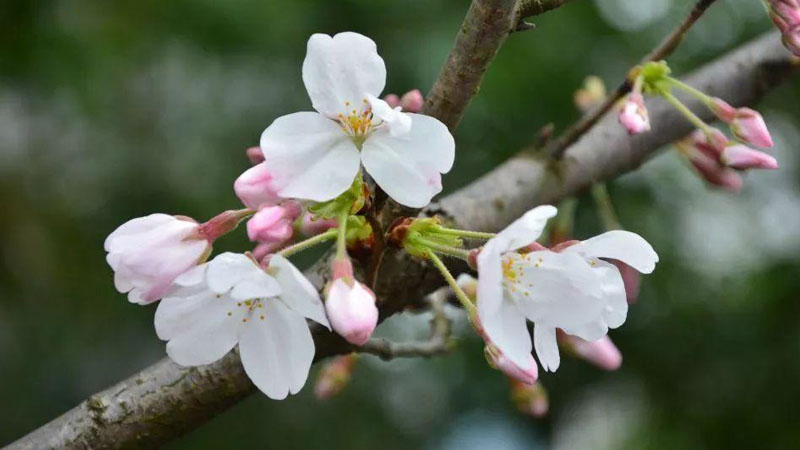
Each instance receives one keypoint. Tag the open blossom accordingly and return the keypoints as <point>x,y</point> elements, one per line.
<point>229,301</point>
<point>350,305</point>
<point>572,290</point>
<point>316,155</point>
<point>147,253</point>
<point>633,115</point>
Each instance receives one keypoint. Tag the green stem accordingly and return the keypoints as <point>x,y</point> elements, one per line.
<point>690,90</point>
<point>443,249</point>
<point>465,233</point>
<point>341,240</point>
<point>604,207</point>
<point>472,312</point>
<point>696,121</point>
<point>308,243</point>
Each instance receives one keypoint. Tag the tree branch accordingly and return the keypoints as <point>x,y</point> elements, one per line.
<point>166,400</point>
<point>664,49</point>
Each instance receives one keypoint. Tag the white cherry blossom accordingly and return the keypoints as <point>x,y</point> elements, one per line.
<point>316,155</point>
<point>572,290</point>
<point>229,301</point>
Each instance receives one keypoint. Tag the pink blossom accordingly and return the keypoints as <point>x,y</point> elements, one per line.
<point>148,253</point>
<point>749,126</point>
<point>334,376</point>
<point>742,157</point>
<point>350,305</point>
<point>412,101</point>
<point>633,115</point>
<point>256,187</point>
<point>602,352</point>
<point>273,223</point>
<point>524,374</point>
<point>392,99</point>
<point>530,399</point>
<point>715,173</point>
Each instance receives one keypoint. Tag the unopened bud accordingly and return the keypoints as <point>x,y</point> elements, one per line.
<point>602,352</point>
<point>334,376</point>
<point>724,111</point>
<point>526,374</point>
<point>591,94</point>
<point>412,101</point>
<point>312,226</point>
<point>742,157</point>
<point>633,115</point>
<point>750,128</point>
<point>256,187</point>
<point>630,278</point>
<point>255,155</point>
<point>392,99</point>
<point>529,399</point>
<point>351,310</point>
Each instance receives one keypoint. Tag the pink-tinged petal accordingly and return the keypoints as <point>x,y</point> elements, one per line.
<point>750,128</point>
<point>526,374</point>
<point>257,187</point>
<point>602,352</point>
<point>621,245</point>
<point>277,351</point>
<point>722,109</point>
<point>631,279</point>
<point>340,71</point>
<point>274,224</point>
<point>506,329</point>
<point>408,166</point>
<point>255,155</point>
<point>351,310</point>
<point>309,156</point>
<point>742,157</point>
<point>791,39</point>
<point>715,173</point>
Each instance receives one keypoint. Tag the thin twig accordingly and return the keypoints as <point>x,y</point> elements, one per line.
<point>664,49</point>
<point>529,8</point>
<point>439,341</point>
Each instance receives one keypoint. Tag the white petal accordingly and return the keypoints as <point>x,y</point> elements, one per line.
<point>621,245</point>
<point>342,70</point>
<point>527,228</point>
<point>137,226</point>
<point>544,339</point>
<point>189,283</point>
<point>199,329</point>
<point>398,122</point>
<point>507,329</point>
<point>310,156</point>
<point>277,352</point>
<point>228,269</point>
<point>562,290</point>
<point>297,292</point>
<point>259,285</point>
<point>408,167</point>
<point>613,293</point>
<point>490,281</point>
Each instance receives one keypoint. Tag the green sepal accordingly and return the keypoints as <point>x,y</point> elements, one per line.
<point>351,200</point>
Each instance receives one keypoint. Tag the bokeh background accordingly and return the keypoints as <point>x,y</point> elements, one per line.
<point>112,110</point>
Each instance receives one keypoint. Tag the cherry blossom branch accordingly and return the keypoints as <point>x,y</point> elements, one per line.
<point>485,28</point>
<point>165,400</point>
<point>529,8</point>
<point>439,341</point>
<point>664,49</point>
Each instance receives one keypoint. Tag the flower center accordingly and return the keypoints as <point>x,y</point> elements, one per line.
<point>358,123</point>
<point>513,280</point>
<point>249,309</point>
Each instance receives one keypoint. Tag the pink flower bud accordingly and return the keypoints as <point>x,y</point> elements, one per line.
<point>273,224</point>
<point>633,115</point>
<point>715,173</point>
<point>334,376</point>
<point>791,39</point>
<point>630,278</point>
<point>742,157</point>
<point>530,399</point>
<point>255,155</point>
<point>524,374</point>
<point>148,253</point>
<point>393,100</point>
<point>351,310</point>
<point>412,101</point>
<point>602,352</point>
<point>785,13</point>
<point>256,187</point>
<point>724,111</point>
<point>310,226</point>
<point>749,127</point>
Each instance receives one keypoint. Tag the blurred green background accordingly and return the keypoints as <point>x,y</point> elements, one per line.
<point>114,109</point>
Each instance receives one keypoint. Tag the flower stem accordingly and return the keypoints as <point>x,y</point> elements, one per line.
<point>341,240</point>
<point>308,243</point>
<point>444,249</point>
<point>472,312</point>
<point>605,209</point>
<point>696,121</point>
<point>465,233</point>
<point>690,90</point>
